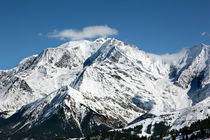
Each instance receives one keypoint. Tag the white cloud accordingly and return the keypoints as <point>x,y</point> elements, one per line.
<point>85,33</point>
<point>203,33</point>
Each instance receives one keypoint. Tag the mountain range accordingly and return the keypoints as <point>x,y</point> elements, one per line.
<point>83,87</point>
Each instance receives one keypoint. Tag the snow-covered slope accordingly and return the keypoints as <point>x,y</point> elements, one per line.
<point>175,120</point>
<point>42,74</point>
<point>110,79</point>
<point>62,113</point>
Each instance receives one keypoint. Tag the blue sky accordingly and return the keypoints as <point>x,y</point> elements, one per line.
<point>156,26</point>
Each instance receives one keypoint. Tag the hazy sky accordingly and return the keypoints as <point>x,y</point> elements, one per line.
<point>157,26</point>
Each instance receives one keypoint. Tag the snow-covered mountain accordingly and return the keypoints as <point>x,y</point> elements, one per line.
<point>84,86</point>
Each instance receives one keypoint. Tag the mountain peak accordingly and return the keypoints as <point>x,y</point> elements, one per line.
<point>199,47</point>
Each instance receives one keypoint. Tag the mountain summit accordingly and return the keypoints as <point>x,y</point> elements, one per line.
<point>82,87</point>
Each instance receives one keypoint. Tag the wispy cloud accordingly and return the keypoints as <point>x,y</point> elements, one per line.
<point>40,34</point>
<point>86,33</point>
<point>203,33</point>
